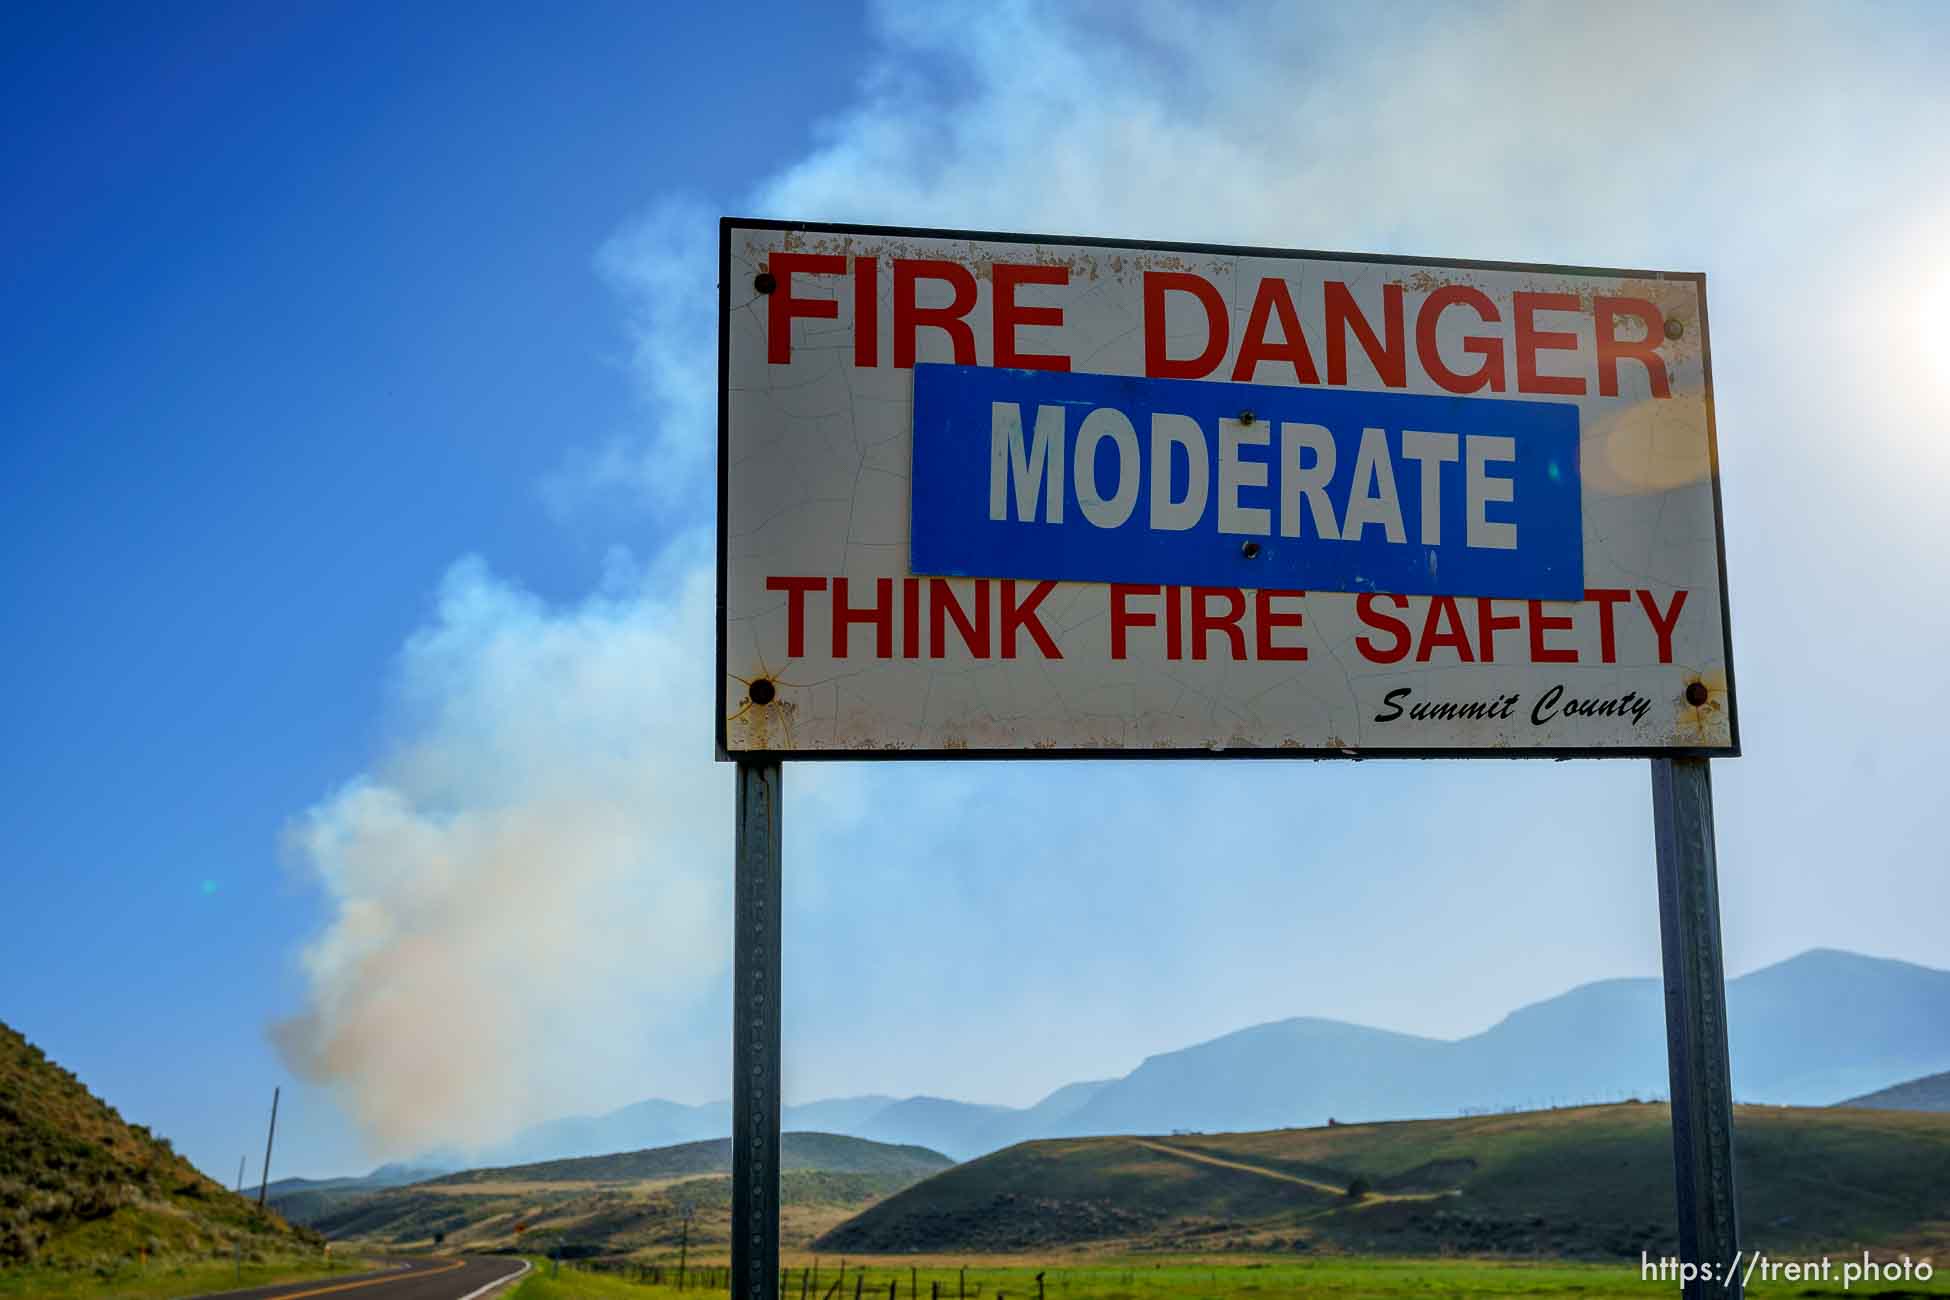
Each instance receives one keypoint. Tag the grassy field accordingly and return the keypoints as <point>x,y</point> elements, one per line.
<point>1422,1279</point>
<point>577,1284</point>
<point>165,1280</point>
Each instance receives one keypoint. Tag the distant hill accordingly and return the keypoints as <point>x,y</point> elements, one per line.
<point>652,1123</point>
<point>830,1152</point>
<point>390,1175</point>
<point>1290,1072</point>
<point>305,1200</point>
<point>79,1186</point>
<point>634,1200</point>
<point>839,1115</point>
<point>1589,1181</point>
<point>1603,1041</point>
<point>1929,1093</point>
<point>959,1129</point>
<point>658,1123</point>
<point>966,1127</point>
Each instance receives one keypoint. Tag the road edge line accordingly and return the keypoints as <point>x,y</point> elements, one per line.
<point>500,1281</point>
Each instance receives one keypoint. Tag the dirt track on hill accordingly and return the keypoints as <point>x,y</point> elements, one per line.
<point>1200,1157</point>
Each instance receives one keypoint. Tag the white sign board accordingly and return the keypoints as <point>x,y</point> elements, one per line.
<point>987,494</point>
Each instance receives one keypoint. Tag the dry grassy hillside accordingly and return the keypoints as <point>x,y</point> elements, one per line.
<point>79,1186</point>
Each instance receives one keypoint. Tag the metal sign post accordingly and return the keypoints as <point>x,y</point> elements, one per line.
<point>1696,1025</point>
<point>755,1035</point>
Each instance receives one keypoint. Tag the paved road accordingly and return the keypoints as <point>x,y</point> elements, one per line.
<point>411,1279</point>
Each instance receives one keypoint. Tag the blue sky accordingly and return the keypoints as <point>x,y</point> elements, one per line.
<point>357,421</point>
<point>302,308</point>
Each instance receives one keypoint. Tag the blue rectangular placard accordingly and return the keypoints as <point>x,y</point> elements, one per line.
<point>1112,478</point>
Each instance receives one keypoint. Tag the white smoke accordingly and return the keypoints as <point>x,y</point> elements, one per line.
<point>533,884</point>
<point>529,893</point>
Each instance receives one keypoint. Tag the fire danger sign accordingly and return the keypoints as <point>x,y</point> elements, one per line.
<point>995,494</point>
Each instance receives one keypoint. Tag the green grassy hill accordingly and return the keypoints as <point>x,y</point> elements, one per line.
<point>827,1151</point>
<point>79,1187</point>
<point>1591,1181</point>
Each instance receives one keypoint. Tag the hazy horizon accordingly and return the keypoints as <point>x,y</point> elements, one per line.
<point>503,1152</point>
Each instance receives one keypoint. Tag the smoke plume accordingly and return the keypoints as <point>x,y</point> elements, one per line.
<point>532,885</point>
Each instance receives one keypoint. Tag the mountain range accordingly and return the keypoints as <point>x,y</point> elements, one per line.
<point>1811,1030</point>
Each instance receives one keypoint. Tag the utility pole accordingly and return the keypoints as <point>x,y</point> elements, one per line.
<point>264,1185</point>
<point>240,1173</point>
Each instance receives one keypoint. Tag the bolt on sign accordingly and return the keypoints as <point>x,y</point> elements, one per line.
<point>989,494</point>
